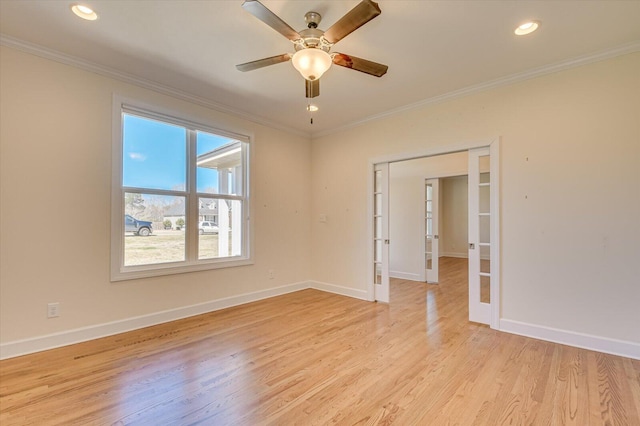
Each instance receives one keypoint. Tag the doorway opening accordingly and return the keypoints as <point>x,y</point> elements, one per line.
<point>439,208</point>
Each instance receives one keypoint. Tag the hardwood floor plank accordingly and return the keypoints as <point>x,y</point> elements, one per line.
<point>312,358</point>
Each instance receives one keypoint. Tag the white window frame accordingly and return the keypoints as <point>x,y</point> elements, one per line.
<point>119,271</point>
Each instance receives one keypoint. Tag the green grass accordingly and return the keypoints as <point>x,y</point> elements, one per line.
<point>165,246</point>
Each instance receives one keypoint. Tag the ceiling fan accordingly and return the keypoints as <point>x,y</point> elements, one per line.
<point>313,57</point>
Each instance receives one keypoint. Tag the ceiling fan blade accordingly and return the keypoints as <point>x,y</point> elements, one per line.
<point>253,65</point>
<point>261,12</point>
<point>354,19</point>
<point>358,64</point>
<point>312,88</point>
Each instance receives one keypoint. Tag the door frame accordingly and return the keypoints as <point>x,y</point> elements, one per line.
<point>494,150</point>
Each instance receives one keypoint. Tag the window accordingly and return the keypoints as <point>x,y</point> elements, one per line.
<point>180,195</point>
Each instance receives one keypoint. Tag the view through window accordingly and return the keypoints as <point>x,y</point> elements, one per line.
<point>183,194</point>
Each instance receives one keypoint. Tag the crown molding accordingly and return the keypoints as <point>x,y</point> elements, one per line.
<point>93,67</point>
<point>198,100</point>
<point>492,84</point>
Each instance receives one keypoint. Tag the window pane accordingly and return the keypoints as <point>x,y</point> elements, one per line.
<point>485,259</point>
<point>154,229</point>
<point>154,154</point>
<point>485,289</point>
<point>219,164</point>
<point>219,228</point>
<point>485,229</point>
<point>484,192</point>
<point>378,181</point>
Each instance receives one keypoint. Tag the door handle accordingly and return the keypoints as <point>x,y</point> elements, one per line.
<point>472,246</point>
<point>386,241</point>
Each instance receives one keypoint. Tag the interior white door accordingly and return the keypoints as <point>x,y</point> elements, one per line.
<point>381,232</point>
<point>480,235</point>
<point>431,238</point>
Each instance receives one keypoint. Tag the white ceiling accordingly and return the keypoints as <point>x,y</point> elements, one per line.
<point>432,48</point>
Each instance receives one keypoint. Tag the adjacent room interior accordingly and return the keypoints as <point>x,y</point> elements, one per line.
<point>445,232</point>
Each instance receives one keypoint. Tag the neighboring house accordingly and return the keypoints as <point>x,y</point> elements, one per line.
<point>208,211</point>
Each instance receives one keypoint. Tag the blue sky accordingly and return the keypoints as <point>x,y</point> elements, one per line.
<point>154,155</point>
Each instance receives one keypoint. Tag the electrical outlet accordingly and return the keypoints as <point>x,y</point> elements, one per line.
<point>53,310</point>
<point>271,274</point>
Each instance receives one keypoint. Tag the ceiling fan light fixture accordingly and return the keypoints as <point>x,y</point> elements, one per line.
<point>84,12</point>
<point>311,62</point>
<point>527,27</point>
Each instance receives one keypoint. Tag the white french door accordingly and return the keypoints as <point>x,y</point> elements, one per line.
<point>431,238</point>
<point>480,231</point>
<point>381,232</point>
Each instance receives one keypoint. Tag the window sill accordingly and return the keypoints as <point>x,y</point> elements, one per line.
<point>147,271</point>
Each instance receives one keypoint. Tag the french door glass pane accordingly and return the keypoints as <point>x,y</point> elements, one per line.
<point>378,181</point>
<point>378,205</point>
<point>378,251</point>
<point>153,229</point>
<point>485,289</point>
<point>485,259</point>
<point>485,228</point>
<point>485,199</point>
<point>377,273</point>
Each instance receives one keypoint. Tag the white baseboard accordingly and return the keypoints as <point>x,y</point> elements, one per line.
<point>56,340</point>
<point>571,338</point>
<point>337,289</point>
<point>463,255</point>
<point>405,276</point>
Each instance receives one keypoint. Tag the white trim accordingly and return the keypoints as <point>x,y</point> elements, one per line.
<point>405,276</point>
<point>83,64</point>
<point>579,340</point>
<point>66,59</point>
<point>496,233</point>
<point>64,338</point>
<point>463,255</point>
<point>494,147</point>
<point>492,84</point>
<point>432,151</point>
<point>338,289</point>
<point>161,112</point>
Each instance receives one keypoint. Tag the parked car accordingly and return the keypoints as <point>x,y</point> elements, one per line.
<point>138,227</point>
<point>207,227</point>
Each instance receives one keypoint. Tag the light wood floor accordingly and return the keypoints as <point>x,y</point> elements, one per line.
<point>315,358</point>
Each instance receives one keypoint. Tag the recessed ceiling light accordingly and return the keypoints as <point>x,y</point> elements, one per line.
<point>312,108</point>
<point>527,27</point>
<point>84,12</point>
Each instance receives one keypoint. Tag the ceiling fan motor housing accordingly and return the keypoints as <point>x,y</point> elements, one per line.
<point>312,37</point>
<point>312,19</point>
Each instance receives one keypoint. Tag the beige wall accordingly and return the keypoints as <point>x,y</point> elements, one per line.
<point>406,210</point>
<point>570,192</point>
<point>55,204</point>
<point>570,198</point>
<point>454,226</point>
